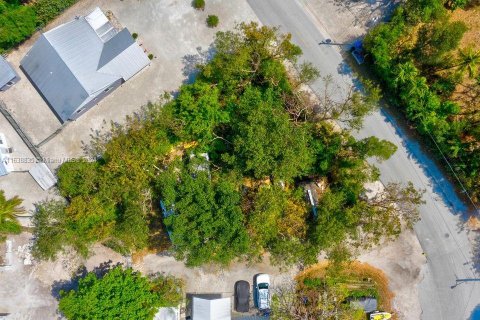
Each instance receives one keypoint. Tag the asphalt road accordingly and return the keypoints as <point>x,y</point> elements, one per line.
<point>440,233</point>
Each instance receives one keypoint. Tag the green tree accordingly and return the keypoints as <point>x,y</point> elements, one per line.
<point>9,209</point>
<point>436,40</point>
<point>198,109</point>
<point>265,142</point>
<point>207,224</point>
<point>469,61</point>
<point>119,294</point>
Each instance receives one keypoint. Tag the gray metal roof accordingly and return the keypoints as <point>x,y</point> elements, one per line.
<point>6,72</point>
<point>79,59</point>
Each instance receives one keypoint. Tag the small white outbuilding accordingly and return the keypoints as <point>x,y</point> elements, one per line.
<point>212,309</point>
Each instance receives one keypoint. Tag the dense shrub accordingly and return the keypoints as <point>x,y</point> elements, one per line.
<point>47,10</point>
<point>19,21</point>
<point>212,21</point>
<point>198,4</point>
<point>16,24</point>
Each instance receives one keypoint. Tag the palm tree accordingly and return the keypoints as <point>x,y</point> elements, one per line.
<point>9,209</point>
<point>406,73</point>
<point>469,60</point>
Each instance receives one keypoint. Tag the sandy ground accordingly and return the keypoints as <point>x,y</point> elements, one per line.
<point>402,261</point>
<point>346,20</point>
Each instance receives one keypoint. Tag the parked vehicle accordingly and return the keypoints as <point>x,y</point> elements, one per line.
<point>242,296</point>
<point>262,292</point>
<point>378,315</point>
<point>358,52</point>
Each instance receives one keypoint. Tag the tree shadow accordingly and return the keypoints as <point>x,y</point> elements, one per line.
<point>367,12</point>
<point>72,284</point>
<point>191,62</point>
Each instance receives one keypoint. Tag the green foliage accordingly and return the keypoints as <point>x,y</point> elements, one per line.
<point>374,147</point>
<point>198,4</point>
<point>49,232</point>
<point>414,58</point>
<point>78,178</point>
<point>212,21</point>
<point>208,221</point>
<point>135,35</point>
<point>265,142</point>
<point>247,198</point>
<point>47,10</point>
<point>17,22</point>
<point>455,4</point>
<point>198,109</point>
<point>9,209</point>
<point>436,40</point>
<point>119,294</point>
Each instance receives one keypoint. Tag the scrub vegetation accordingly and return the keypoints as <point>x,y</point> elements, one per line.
<point>427,74</point>
<point>265,138</point>
<point>325,291</point>
<point>20,19</point>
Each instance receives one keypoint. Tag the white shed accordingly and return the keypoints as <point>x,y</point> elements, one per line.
<point>6,165</point>
<point>214,309</point>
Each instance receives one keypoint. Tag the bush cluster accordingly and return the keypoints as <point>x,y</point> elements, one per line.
<point>421,77</point>
<point>19,21</point>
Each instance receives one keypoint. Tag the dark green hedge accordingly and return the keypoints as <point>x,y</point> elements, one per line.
<point>19,21</point>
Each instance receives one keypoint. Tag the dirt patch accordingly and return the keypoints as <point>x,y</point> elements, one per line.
<point>402,261</point>
<point>471,18</point>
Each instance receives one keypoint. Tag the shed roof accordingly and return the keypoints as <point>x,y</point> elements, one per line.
<point>80,59</point>
<point>7,73</point>
<point>214,309</point>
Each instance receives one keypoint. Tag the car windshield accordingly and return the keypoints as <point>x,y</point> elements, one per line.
<point>263,286</point>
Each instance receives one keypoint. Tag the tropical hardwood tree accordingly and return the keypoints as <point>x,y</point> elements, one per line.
<point>120,294</point>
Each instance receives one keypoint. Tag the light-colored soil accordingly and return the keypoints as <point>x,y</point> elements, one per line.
<point>346,20</point>
<point>471,18</point>
<point>402,262</point>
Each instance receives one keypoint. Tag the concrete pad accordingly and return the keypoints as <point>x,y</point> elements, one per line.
<point>21,294</point>
<point>23,185</point>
